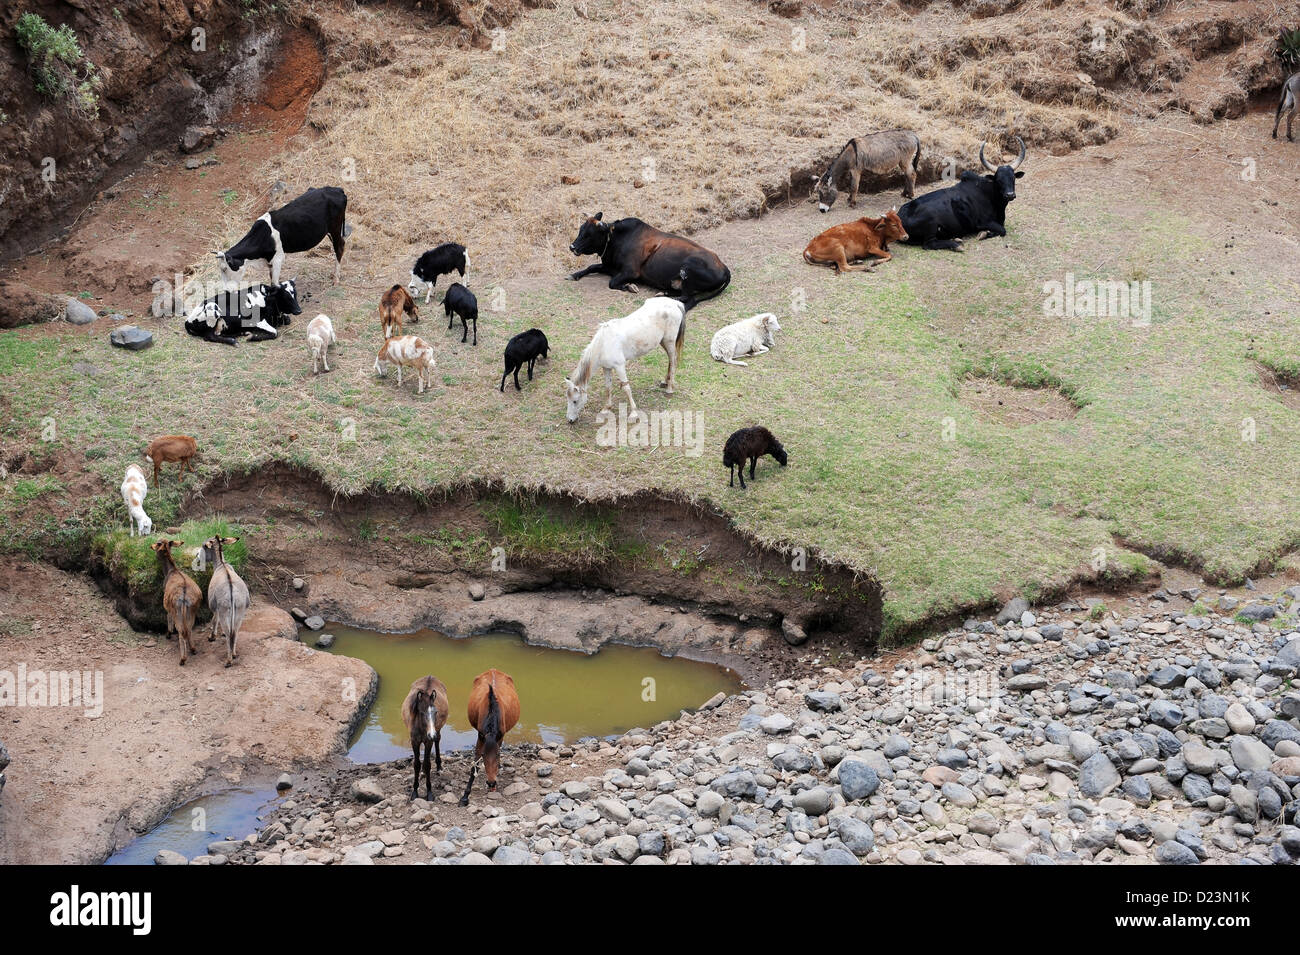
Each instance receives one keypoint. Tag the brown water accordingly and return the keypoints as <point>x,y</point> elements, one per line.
<point>564,695</point>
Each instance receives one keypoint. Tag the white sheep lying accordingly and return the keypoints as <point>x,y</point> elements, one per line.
<point>320,336</point>
<point>753,336</point>
<point>134,490</point>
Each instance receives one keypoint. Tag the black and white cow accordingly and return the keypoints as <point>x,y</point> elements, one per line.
<point>445,259</point>
<point>298,226</point>
<point>257,311</point>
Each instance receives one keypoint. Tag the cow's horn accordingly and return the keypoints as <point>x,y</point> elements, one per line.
<point>1021,157</point>
<point>984,162</point>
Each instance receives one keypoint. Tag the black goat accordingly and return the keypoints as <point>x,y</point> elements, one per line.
<point>526,347</point>
<point>461,301</point>
<point>750,444</point>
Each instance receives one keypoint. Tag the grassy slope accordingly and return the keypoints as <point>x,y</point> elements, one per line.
<point>858,389</point>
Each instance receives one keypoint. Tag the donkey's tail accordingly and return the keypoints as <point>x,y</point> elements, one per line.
<point>681,331</point>
<point>916,159</point>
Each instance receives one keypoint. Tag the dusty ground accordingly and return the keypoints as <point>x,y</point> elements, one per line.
<point>156,223</point>
<point>80,787</point>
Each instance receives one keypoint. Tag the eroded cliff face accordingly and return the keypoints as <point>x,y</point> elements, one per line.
<point>156,73</point>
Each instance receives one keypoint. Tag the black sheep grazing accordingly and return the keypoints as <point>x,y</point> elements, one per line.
<point>750,444</point>
<point>461,301</point>
<point>526,347</point>
<point>445,259</point>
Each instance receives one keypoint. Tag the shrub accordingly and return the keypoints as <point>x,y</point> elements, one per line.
<point>58,65</point>
<point>1288,50</point>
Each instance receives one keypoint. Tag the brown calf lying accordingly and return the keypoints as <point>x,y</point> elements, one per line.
<point>853,241</point>
<point>171,447</point>
<point>396,302</point>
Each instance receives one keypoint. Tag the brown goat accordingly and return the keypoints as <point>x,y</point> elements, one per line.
<point>181,598</point>
<point>860,239</point>
<point>396,302</point>
<point>171,447</point>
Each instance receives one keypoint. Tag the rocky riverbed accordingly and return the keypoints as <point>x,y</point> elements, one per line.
<point>1064,735</point>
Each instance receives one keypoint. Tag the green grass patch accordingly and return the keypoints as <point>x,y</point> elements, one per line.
<point>137,571</point>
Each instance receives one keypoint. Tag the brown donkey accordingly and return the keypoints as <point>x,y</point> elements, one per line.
<point>424,711</point>
<point>493,711</point>
<point>181,598</point>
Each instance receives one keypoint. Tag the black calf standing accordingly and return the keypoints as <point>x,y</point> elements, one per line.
<point>461,301</point>
<point>750,444</point>
<point>445,259</point>
<point>526,347</point>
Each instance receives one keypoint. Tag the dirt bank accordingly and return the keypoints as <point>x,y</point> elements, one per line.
<point>395,561</point>
<point>80,786</point>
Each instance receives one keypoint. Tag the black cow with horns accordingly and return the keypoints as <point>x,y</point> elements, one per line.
<point>976,204</point>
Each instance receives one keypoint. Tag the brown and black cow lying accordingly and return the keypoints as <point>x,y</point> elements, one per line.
<point>632,251</point>
<point>853,241</point>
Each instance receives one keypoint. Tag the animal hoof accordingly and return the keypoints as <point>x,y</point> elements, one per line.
<point>464,801</point>
<point>228,662</point>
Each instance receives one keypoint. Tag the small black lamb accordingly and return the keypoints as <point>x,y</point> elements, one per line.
<point>461,301</point>
<point>750,444</point>
<point>526,347</point>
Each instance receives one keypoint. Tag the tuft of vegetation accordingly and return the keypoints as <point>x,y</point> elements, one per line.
<point>136,571</point>
<point>1288,50</point>
<point>59,67</point>
<point>532,532</point>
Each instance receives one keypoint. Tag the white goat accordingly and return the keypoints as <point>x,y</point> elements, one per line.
<point>753,336</point>
<point>320,336</point>
<point>134,491</point>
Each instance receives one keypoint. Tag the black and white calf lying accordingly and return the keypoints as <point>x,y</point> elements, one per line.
<point>445,259</point>
<point>256,311</point>
<point>297,226</point>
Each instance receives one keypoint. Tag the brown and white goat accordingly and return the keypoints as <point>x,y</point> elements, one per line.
<point>181,598</point>
<point>227,595</point>
<point>407,351</point>
<point>396,303</point>
<point>171,447</point>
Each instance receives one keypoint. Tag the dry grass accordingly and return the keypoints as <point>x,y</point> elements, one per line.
<point>711,107</point>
